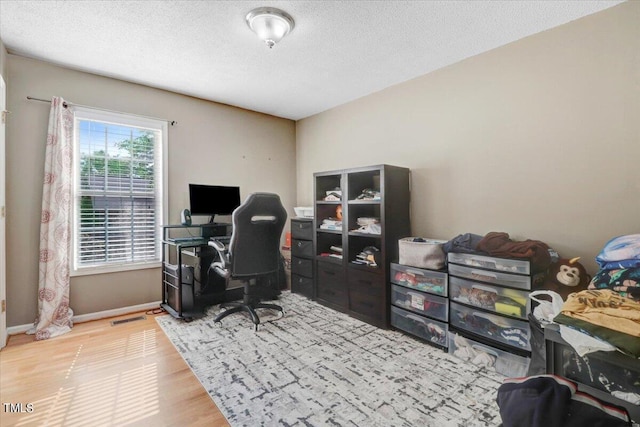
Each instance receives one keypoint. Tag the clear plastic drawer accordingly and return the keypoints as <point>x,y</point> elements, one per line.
<point>428,329</point>
<point>422,303</point>
<point>512,332</point>
<point>505,363</point>
<point>491,263</point>
<point>512,302</point>
<point>493,277</point>
<point>434,282</point>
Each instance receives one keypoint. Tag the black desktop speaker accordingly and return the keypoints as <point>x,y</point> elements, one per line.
<point>185,217</point>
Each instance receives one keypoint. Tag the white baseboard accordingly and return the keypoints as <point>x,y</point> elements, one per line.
<point>21,329</point>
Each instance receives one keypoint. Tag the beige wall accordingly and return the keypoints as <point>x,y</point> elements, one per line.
<point>539,138</point>
<point>211,144</point>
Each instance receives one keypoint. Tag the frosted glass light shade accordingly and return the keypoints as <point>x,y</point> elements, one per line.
<point>270,24</point>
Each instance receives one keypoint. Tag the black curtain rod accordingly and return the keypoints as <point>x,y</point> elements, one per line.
<point>67,104</point>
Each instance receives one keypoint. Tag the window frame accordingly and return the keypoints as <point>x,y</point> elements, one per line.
<point>161,178</point>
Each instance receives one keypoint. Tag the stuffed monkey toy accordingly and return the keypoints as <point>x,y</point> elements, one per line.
<point>565,277</point>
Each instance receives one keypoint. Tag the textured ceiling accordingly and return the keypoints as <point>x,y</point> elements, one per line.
<point>339,50</point>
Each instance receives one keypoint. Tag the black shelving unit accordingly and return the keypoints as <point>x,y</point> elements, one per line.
<point>360,290</point>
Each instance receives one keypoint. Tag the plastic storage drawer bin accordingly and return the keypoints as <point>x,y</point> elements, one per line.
<point>429,330</point>
<point>491,263</point>
<point>434,282</point>
<point>492,277</point>
<point>428,305</point>
<point>505,363</point>
<point>512,332</point>
<point>512,302</point>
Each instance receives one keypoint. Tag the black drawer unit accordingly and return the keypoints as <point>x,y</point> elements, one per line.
<point>331,288</point>
<point>489,305</point>
<point>610,376</point>
<point>367,296</point>
<point>419,303</point>
<point>302,256</point>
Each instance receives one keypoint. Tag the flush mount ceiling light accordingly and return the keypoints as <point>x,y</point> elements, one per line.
<point>270,24</point>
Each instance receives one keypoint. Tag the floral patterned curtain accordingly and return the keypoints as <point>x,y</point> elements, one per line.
<point>54,314</point>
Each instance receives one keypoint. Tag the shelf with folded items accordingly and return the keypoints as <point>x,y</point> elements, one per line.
<point>364,251</point>
<point>365,185</point>
<point>349,211</point>
<point>328,187</point>
<point>364,220</point>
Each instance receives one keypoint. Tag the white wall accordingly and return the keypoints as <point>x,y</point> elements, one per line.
<point>211,144</point>
<point>539,138</point>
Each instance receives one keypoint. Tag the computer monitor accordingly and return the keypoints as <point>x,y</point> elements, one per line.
<point>212,200</point>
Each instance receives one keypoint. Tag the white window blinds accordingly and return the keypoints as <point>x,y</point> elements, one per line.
<point>118,190</point>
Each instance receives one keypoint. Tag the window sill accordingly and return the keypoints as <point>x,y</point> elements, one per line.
<point>88,271</point>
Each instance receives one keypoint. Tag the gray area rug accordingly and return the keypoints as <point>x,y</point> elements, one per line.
<point>319,367</point>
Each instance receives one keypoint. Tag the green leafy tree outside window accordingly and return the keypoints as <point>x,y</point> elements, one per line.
<point>138,165</point>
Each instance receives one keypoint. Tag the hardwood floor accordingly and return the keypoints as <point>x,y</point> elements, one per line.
<point>102,375</point>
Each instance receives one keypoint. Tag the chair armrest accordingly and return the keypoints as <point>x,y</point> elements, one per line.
<point>219,246</point>
<point>223,251</point>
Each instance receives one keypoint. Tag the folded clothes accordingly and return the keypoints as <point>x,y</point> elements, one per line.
<point>499,244</point>
<point>624,281</point>
<point>620,248</point>
<point>627,344</point>
<point>605,308</point>
<point>623,263</point>
<point>463,243</point>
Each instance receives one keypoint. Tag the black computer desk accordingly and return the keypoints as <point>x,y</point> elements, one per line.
<point>187,285</point>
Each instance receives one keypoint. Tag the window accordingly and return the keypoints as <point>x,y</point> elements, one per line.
<point>119,193</point>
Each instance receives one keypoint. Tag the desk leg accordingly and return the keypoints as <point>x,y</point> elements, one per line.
<point>179,279</point>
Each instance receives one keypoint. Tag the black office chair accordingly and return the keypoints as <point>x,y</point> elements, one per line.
<point>253,251</point>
